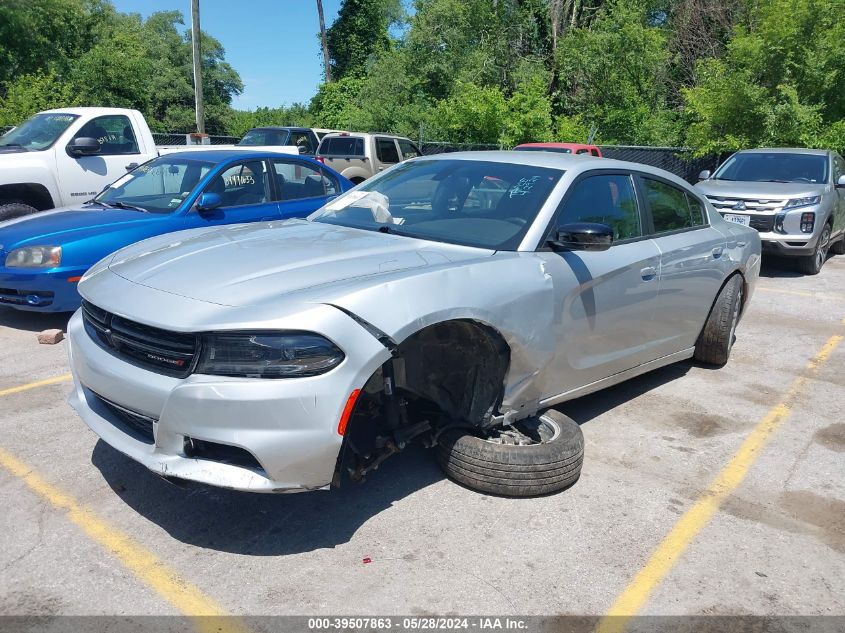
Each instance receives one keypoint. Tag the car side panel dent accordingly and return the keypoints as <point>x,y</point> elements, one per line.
<point>509,292</point>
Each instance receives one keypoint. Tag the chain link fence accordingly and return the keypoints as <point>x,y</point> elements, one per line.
<point>175,138</point>
<point>677,160</point>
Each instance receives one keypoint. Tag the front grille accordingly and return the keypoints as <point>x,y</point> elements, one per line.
<point>763,223</point>
<point>162,351</point>
<point>135,424</point>
<point>754,205</point>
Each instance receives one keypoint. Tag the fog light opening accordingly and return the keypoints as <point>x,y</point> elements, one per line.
<point>808,220</point>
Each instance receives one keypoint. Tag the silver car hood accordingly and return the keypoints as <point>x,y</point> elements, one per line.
<point>250,264</point>
<point>760,190</point>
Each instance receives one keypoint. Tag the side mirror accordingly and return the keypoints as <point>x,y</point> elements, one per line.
<point>704,175</point>
<point>83,146</point>
<point>209,201</point>
<point>840,184</point>
<point>583,236</point>
<point>302,149</point>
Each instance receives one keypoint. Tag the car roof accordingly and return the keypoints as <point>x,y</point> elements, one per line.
<point>564,145</point>
<point>361,134</point>
<point>785,150</point>
<point>563,162</point>
<point>278,127</point>
<point>223,155</point>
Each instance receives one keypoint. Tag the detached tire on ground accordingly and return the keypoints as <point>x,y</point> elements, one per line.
<point>12,210</point>
<point>716,339</point>
<point>499,465</point>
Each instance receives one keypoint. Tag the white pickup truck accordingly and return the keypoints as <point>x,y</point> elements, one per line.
<point>61,157</point>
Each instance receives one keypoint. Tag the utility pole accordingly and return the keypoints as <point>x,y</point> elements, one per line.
<point>197,55</point>
<point>325,43</point>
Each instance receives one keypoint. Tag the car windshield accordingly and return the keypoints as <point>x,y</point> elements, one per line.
<point>159,186</point>
<point>265,137</point>
<point>38,132</point>
<point>469,202</point>
<point>558,150</point>
<point>774,167</point>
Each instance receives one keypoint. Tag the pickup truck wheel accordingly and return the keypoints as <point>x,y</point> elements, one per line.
<point>717,338</point>
<point>812,264</point>
<point>11,210</point>
<point>535,456</point>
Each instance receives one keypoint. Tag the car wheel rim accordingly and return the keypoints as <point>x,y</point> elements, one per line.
<point>528,432</point>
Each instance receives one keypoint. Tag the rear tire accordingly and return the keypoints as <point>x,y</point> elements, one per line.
<point>12,210</point>
<point>812,264</point>
<point>716,339</point>
<point>527,470</point>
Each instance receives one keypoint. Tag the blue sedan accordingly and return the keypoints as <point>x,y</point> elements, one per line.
<point>43,256</point>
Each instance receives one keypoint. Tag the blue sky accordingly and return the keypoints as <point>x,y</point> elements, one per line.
<point>273,44</point>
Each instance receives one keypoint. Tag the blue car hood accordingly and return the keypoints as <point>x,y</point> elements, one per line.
<point>59,226</point>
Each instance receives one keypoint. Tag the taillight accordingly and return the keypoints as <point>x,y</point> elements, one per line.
<point>321,159</point>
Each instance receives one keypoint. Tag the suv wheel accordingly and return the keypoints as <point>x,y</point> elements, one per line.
<point>812,264</point>
<point>535,456</point>
<point>11,210</point>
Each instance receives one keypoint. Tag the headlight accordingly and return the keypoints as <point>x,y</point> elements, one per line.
<point>268,355</point>
<point>34,257</point>
<point>794,203</point>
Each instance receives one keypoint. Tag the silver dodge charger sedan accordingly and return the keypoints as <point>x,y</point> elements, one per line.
<point>451,300</point>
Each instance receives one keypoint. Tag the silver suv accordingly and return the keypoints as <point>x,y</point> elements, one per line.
<point>795,198</point>
<point>358,156</point>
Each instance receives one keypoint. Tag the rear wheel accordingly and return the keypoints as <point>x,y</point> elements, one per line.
<point>717,338</point>
<point>11,210</point>
<point>535,456</point>
<point>812,264</point>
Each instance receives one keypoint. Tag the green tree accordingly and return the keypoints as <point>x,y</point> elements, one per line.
<point>359,34</point>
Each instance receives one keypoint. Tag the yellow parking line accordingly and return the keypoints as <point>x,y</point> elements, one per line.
<point>144,564</point>
<point>637,593</point>
<point>35,385</point>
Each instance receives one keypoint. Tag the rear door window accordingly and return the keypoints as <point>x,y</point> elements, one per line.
<point>409,150</point>
<point>670,207</point>
<point>386,151</point>
<point>342,146</point>
<point>296,180</point>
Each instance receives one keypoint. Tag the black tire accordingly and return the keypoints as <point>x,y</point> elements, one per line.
<point>516,470</point>
<point>11,210</point>
<point>812,264</point>
<point>838,247</point>
<point>717,338</point>
<point>357,180</point>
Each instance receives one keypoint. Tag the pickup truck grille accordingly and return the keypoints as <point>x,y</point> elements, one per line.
<point>162,351</point>
<point>753,205</point>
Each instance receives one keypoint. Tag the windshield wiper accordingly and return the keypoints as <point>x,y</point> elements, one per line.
<point>14,145</point>
<point>774,180</point>
<point>388,228</point>
<point>97,202</point>
<point>123,205</point>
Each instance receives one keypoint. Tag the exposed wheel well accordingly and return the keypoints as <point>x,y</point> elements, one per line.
<point>449,373</point>
<point>32,194</point>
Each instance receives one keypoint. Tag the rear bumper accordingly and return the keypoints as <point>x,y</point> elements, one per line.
<point>48,291</point>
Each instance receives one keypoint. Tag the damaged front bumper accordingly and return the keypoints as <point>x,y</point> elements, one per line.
<point>249,434</point>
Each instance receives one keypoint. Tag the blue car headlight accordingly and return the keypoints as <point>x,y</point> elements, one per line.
<point>34,257</point>
<point>268,354</point>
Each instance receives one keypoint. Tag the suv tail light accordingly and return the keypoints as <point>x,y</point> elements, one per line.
<point>321,159</point>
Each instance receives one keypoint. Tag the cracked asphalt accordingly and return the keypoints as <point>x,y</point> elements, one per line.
<point>775,546</point>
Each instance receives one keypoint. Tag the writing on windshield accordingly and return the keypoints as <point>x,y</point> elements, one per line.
<point>38,132</point>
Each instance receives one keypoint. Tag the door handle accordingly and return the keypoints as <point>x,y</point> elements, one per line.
<point>648,273</point>
<point>131,166</point>
<point>717,252</point>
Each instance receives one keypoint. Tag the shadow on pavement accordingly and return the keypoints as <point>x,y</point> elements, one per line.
<point>34,321</point>
<point>779,267</point>
<point>261,524</point>
<point>584,409</point>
